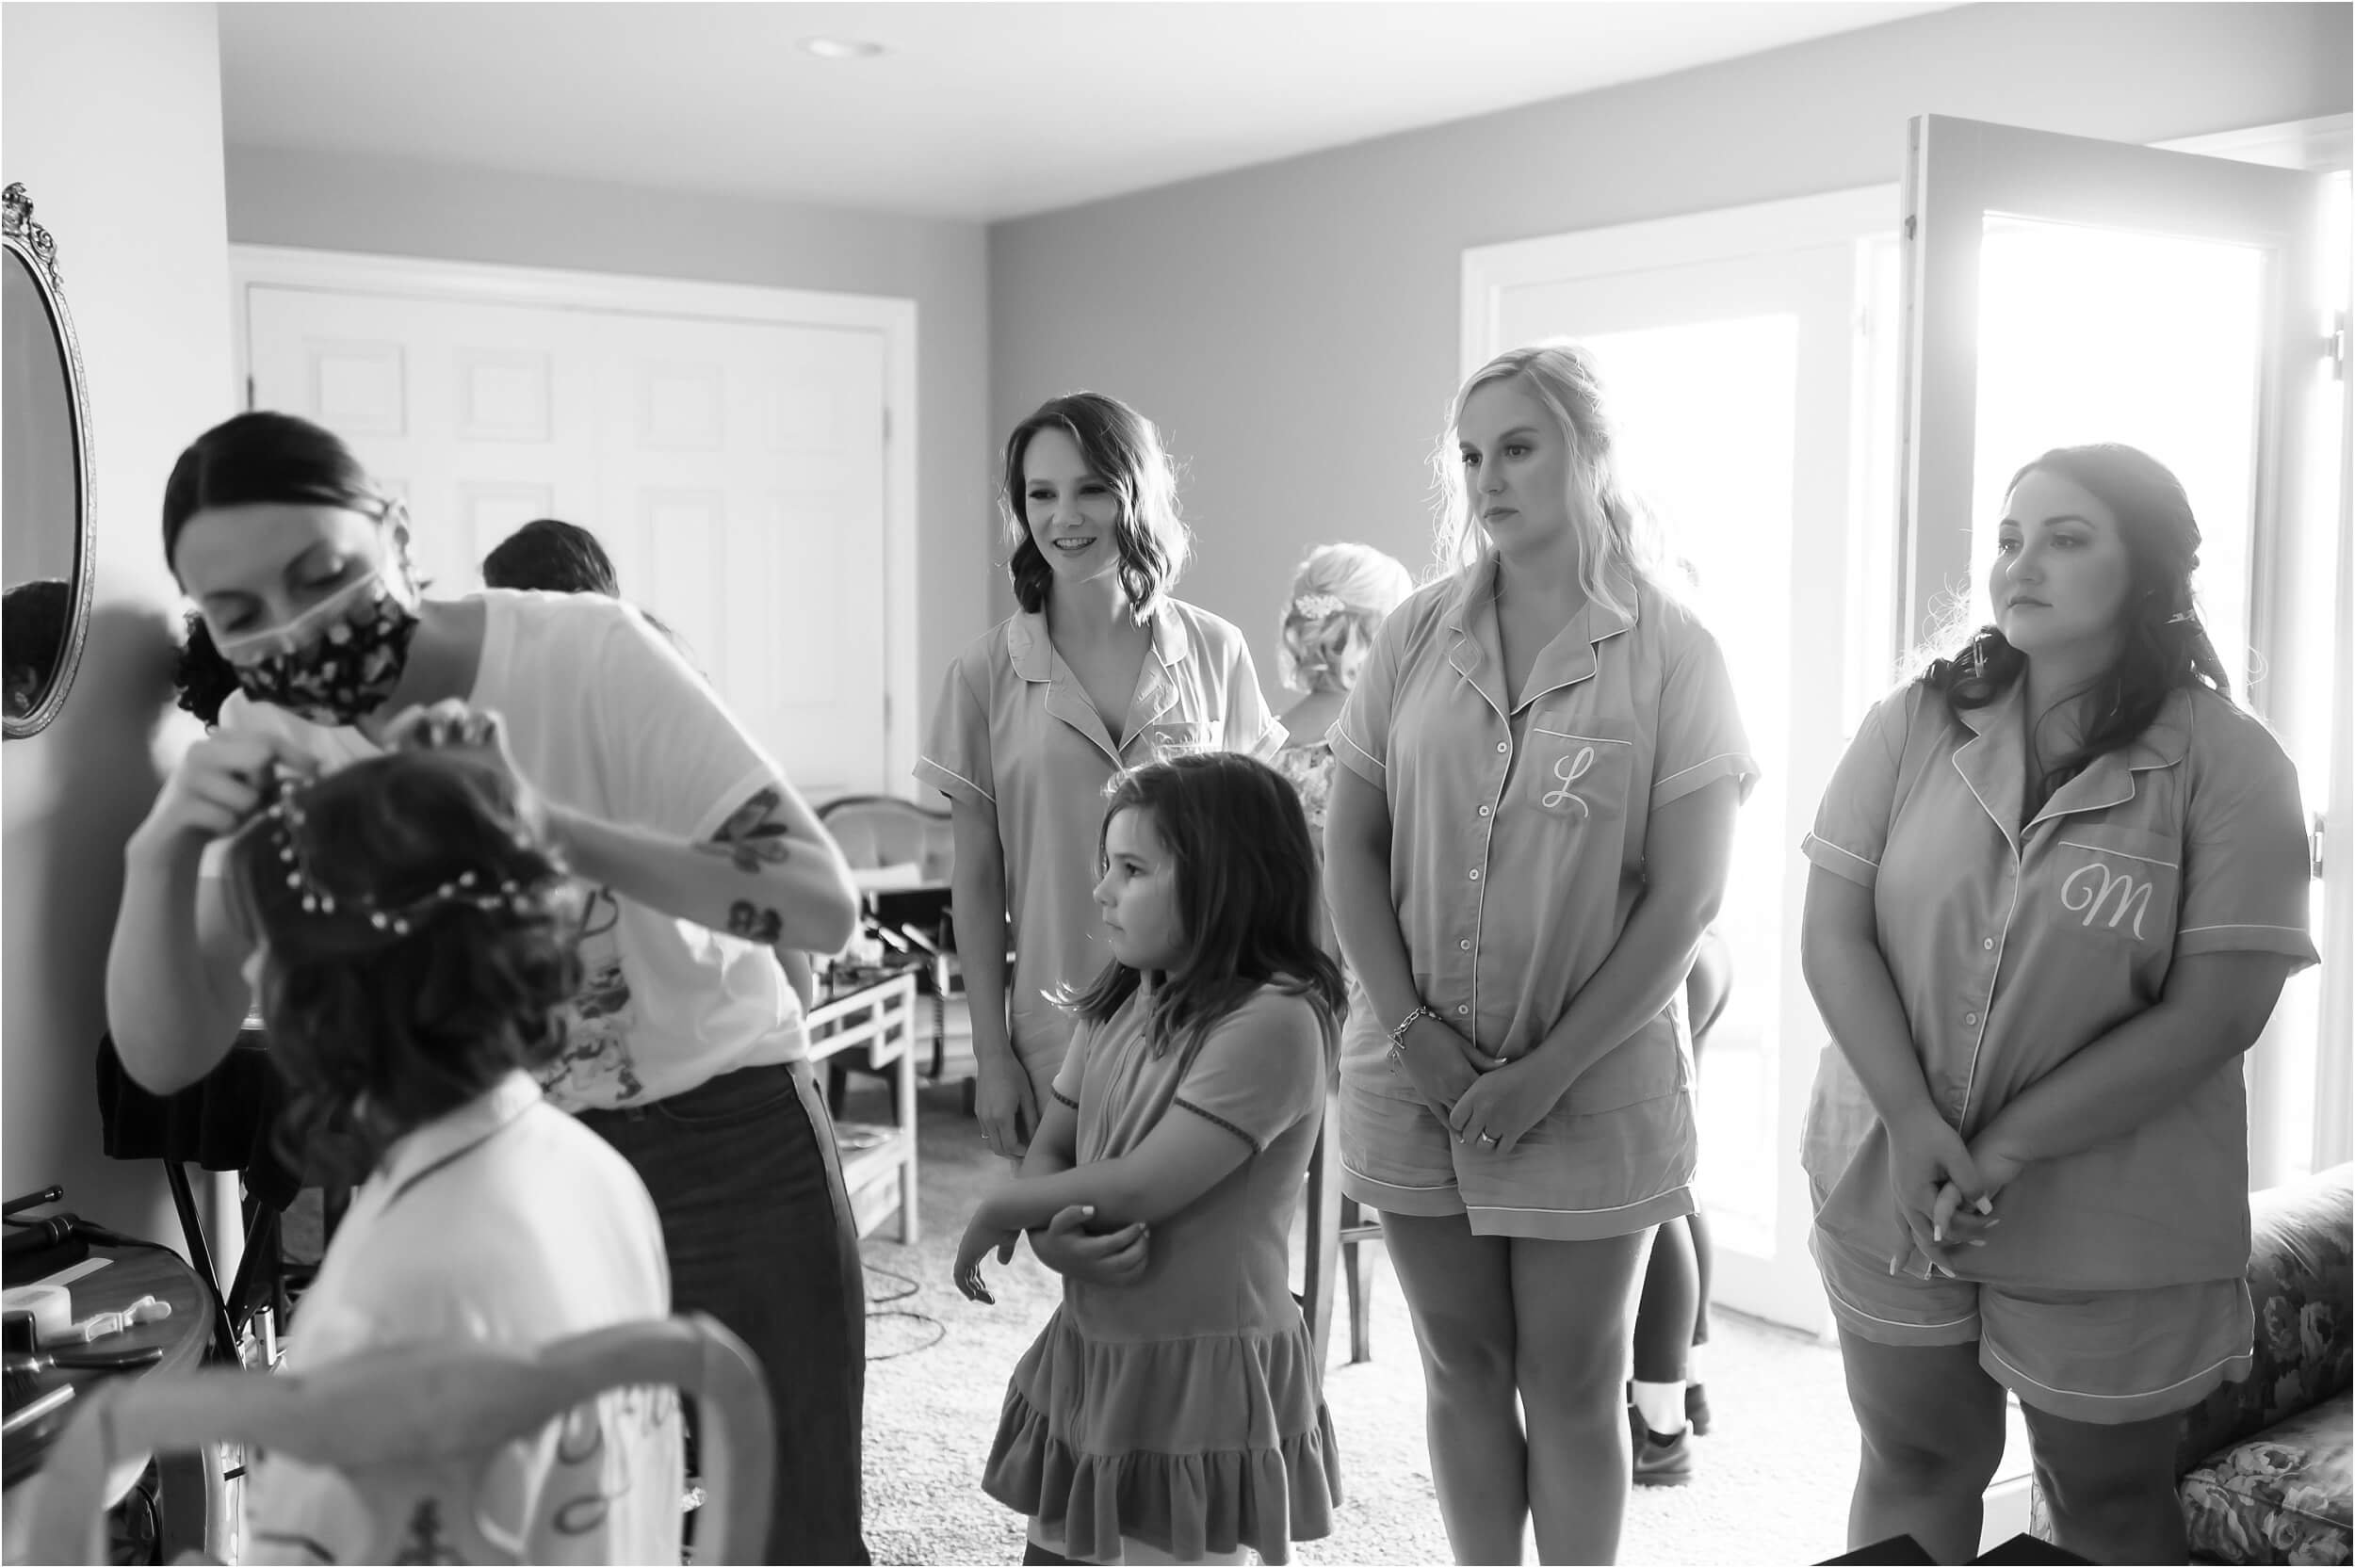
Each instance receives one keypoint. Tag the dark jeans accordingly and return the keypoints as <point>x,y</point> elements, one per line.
<point>758,1228</point>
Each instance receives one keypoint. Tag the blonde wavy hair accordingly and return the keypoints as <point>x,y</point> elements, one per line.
<point>1620,537</point>
<point>1341,595</point>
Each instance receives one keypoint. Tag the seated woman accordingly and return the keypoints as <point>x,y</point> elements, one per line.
<point>414,945</point>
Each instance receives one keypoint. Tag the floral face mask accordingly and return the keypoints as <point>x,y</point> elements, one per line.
<point>337,661</point>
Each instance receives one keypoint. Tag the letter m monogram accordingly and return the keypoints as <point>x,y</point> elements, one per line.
<point>2091,888</point>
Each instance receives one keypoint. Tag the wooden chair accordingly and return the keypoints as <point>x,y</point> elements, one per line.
<point>1337,1228</point>
<point>416,1429</point>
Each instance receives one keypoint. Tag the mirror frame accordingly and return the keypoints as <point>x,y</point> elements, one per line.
<point>32,245</point>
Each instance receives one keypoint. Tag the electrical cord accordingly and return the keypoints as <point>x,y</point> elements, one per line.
<point>909,1287</point>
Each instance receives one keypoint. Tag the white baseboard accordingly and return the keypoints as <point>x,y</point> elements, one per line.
<point>2007,1512</point>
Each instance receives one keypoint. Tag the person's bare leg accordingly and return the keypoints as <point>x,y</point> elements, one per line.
<point>1458,1285</point>
<point>2111,1489</point>
<point>1932,1424</point>
<point>1571,1300</point>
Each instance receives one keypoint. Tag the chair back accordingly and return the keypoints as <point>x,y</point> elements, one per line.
<point>883,830</point>
<point>415,1430</point>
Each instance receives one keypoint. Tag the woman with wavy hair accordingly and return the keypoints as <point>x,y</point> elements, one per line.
<point>1528,834</point>
<point>2058,880</point>
<point>416,952</point>
<point>1100,670</point>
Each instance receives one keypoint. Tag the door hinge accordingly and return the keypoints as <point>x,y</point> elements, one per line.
<point>2314,842</point>
<point>2334,348</point>
<point>249,404</point>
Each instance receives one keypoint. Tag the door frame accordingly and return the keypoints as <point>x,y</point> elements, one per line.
<point>893,317</point>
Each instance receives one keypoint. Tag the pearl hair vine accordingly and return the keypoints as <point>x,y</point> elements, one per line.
<point>284,819</point>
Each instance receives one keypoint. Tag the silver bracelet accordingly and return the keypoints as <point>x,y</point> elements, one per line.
<point>1398,1035</point>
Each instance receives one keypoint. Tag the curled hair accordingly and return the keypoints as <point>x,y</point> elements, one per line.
<point>553,557</point>
<point>1619,539</point>
<point>1341,595</point>
<point>1122,448</point>
<point>1247,890</point>
<point>2162,645</point>
<point>380,1026</point>
<point>265,458</point>
<point>202,677</point>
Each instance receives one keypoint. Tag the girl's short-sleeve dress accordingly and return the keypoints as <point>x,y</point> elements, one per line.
<point>1184,1410</point>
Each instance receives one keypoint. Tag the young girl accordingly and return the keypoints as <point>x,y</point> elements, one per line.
<point>1099,671</point>
<point>686,1049</point>
<point>2058,880</point>
<point>1178,1417</point>
<point>1528,834</point>
<point>416,948</point>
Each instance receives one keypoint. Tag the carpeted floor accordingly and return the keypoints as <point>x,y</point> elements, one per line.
<point>1773,1478</point>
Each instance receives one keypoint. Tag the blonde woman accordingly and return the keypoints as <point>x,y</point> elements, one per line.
<point>1527,837</point>
<point>1339,597</point>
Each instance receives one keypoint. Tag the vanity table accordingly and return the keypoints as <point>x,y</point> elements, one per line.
<point>867,1017</point>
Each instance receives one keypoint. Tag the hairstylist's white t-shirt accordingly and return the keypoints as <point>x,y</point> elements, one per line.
<point>606,718</point>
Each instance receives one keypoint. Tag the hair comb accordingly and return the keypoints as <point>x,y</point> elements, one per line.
<point>1316,606</point>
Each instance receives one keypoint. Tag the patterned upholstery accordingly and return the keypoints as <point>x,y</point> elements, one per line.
<point>2265,1461</point>
<point>2281,1497</point>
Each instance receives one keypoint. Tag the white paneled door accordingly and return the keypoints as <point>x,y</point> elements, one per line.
<point>737,470</point>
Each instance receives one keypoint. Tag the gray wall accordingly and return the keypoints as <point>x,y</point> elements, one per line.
<point>111,116</point>
<point>1293,326</point>
<point>392,207</point>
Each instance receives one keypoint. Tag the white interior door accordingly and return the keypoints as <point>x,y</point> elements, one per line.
<point>2061,290</point>
<point>735,469</point>
<point>1735,378</point>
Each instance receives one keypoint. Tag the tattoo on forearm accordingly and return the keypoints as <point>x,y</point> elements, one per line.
<point>755,924</point>
<point>752,837</point>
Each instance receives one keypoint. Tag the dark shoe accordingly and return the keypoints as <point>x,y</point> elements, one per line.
<point>1660,1460</point>
<point>1696,1409</point>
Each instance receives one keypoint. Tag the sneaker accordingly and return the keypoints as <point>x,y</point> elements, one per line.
<point>1696,1409</point>
<point>1660,1460</point>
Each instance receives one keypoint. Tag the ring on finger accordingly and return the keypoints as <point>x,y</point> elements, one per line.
<point>1488,1140</point>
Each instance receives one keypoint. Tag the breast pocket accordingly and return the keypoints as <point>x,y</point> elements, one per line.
<point>1176,739</point>
<point>2116,885</point>
<point>1575,779</point>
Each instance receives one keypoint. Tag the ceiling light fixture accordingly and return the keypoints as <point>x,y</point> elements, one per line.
<point>842,48</point>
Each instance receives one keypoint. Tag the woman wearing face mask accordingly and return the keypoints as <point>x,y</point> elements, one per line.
<point>685,1048</point>
<point>2058,880</point>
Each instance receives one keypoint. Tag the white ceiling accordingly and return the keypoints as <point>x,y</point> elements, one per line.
<point>976,111</point>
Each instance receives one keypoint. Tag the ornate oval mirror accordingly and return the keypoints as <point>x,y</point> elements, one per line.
<point>45,531</point>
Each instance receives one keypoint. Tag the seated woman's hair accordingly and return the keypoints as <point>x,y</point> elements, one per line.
<point>417,943</point>
<point>553,557</point>
<point>1620,539</point>
<point>2165,645</point>
<point>37,613</point>
<point>1121,447</point>
<point>1247,892</point>
<point>1341,595</point>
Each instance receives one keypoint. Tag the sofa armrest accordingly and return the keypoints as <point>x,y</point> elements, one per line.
<point>2299,1274</point>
